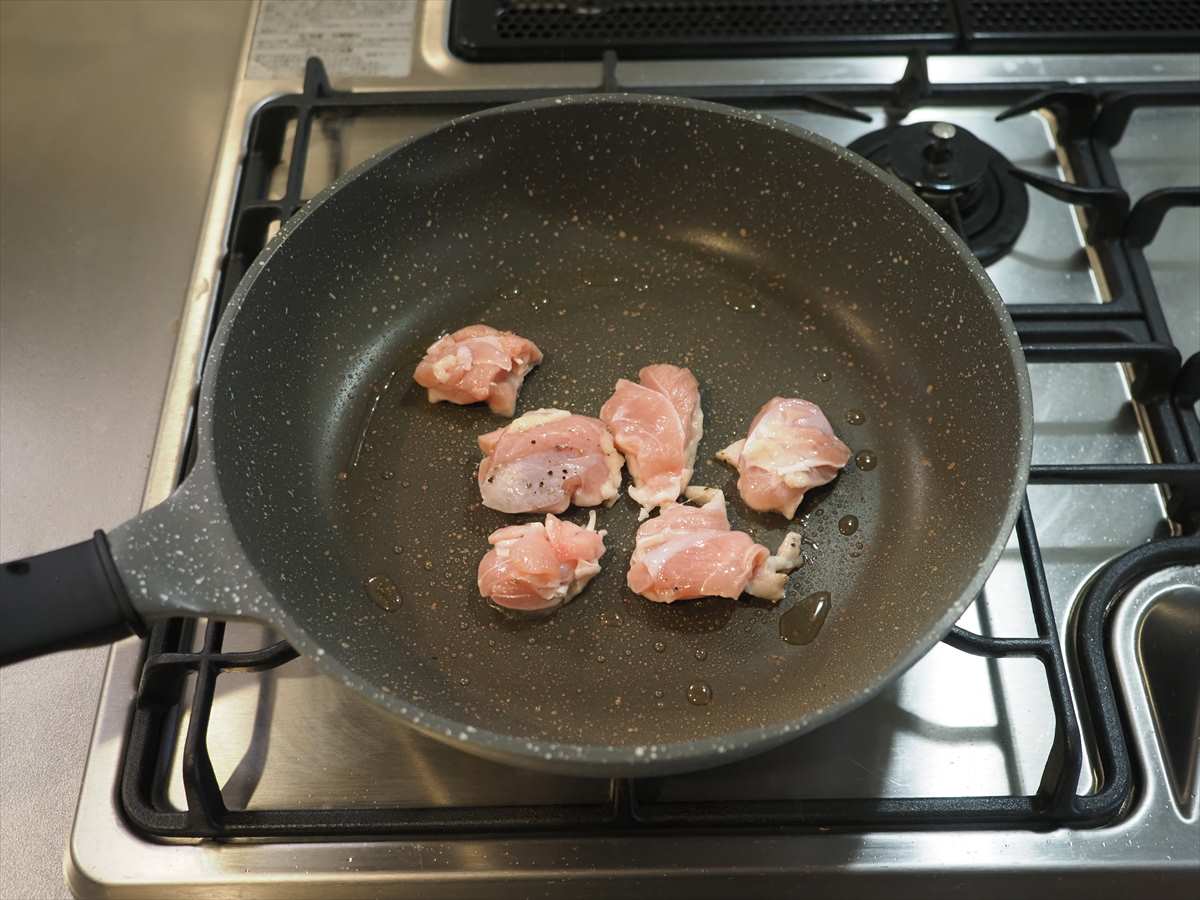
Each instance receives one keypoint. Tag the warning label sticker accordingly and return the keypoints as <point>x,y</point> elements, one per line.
<point>352,37</point>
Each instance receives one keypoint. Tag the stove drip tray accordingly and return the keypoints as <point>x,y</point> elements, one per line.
<point>966,180</point>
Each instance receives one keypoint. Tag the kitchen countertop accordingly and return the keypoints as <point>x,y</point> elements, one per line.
<point>110,115</point>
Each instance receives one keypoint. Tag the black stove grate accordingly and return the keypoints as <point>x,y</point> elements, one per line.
<point>493,30</point>
<point>975,190</point>
<point>1130,329</point>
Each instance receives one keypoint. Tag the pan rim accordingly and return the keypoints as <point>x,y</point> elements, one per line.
<point>648,759</point>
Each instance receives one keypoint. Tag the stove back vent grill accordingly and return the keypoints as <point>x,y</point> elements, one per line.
<point>494,30</point>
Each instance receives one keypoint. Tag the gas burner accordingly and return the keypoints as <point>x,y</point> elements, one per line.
<point>965,180</point>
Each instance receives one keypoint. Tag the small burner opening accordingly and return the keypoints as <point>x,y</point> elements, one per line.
<point>964,179</point>
<point>938,154</point>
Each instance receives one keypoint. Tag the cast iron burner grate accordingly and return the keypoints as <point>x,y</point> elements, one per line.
<point>966,180</point>
<point>1130,329</point>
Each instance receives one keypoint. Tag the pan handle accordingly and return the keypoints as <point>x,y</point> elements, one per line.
<point>66,598</point>
<point>179,558</point>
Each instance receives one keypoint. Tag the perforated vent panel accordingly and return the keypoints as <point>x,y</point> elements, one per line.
<point>536,29</point>
<point>583,29</point>
<point>1081,17</point>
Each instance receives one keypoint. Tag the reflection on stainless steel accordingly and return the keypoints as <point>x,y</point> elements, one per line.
<point>1174,592</point>
<point>1073,68</point>
<point>1048,263</point>
<point>810,70</point>
<point>1168,647</point>
<point>268,723</point>
<point>885,69</point>
<point>953,725</point>
<point>1161,148</point>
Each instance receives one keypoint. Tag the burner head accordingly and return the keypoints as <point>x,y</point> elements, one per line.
<point>964,179</point>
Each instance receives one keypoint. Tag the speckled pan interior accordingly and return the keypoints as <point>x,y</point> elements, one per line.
<point>617,232</point>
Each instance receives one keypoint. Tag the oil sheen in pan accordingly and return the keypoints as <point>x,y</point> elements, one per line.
<point>803,622</point>
<point>456,651</point>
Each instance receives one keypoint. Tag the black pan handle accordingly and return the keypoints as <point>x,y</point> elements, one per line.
<point>63,599</point>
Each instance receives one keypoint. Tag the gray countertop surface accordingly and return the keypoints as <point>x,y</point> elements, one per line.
<point>110,115</point>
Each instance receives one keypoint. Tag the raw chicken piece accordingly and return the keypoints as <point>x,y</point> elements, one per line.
<point>478,363</point>
<point>538,567</point>
<point>790,448</point>
<point>657,425</point>
<point>546,460</point>
<point>688,552</point>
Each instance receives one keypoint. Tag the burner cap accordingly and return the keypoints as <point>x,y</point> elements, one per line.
<point>964,179</point>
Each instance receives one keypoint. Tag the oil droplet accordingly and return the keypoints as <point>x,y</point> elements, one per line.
<point>866,460</point>
<point>612,620</point>
<point>659,646</point>
<point>464,681</point>
<point>855,417</point>
<point>342,476</point>
<point>701,655</point>
<point>699,694</point>
<point>802,623</point>
<point>387,476</point>
<point>384,592</point>
<point>823,376</point>
<point>397,549</point>
<point>601,658</point>
<point>847,525</point>
<point>658,694</point>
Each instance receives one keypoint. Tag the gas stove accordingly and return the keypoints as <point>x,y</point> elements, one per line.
<point>1054,734</point>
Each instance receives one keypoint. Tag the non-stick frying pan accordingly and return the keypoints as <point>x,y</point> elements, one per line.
<point>614,232</point>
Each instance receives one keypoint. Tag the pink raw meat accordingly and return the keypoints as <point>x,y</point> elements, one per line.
<point>477,364</point>
<point>657,425</point>
<point>789,449</point>
<point>546,460</point>
<point>687,552</point>
<point>539,567</point>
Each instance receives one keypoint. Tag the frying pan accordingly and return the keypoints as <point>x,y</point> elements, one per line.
<point>614,231</point>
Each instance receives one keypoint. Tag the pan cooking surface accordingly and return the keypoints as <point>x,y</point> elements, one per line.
<point>595,670</point>
<point>760,261</point>
<point>414,489</point>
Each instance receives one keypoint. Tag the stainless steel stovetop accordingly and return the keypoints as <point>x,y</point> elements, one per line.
<point>954,725</point>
